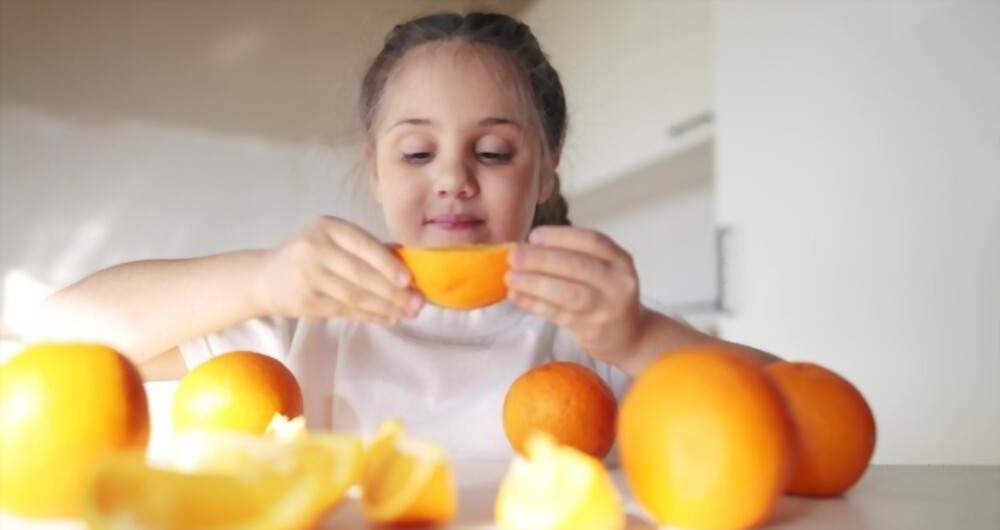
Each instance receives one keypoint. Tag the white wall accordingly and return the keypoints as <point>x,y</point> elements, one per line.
<point>858,158</point>
<point>78,197</point>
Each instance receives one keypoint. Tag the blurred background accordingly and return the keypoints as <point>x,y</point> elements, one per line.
<point>818,179</point>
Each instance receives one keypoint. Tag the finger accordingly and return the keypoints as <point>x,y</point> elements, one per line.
<point>371,318</point>
<point>570,264</point>
<point>542,308</point>
<point>566,294</point>
<point>373,252</point>
<point>580,240</point>
<point>355,297</point>
<point>341,262</point>
<point>326,307</point>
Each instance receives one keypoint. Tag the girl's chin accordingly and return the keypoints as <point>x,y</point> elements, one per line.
<point>432,237</point>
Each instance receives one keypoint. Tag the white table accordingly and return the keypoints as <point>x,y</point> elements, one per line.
<point>888,497</point>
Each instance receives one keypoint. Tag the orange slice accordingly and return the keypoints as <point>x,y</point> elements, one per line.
<point>233,482</point>
<point>405,480</point>
<point>459,277</point>
<point>557,488</point>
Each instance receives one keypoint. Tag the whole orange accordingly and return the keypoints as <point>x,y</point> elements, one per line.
<point>238,391</point>
<point>568,401</point>
<point>459,277</point>
<point>706,440</point>
<point>834,425</point>
<point>62,407</point>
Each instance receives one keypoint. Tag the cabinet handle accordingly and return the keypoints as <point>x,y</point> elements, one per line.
<point>685,126</point>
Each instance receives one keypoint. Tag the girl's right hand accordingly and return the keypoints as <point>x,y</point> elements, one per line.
<point>333,268</point>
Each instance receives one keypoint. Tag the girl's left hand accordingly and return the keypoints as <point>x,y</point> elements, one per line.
<point>581,280</point>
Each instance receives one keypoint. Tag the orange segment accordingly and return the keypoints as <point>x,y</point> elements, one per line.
<point>285,429</point>
<point>405,480</point>
<point>61,408</point>
<point>557,488</point>
<point>235,453</point>
<point>459,277</point>
<point>128,494</point>
<point>233,482</point>
<point>238,391</point>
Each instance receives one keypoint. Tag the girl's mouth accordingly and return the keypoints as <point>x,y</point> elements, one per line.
<point>455,221</point>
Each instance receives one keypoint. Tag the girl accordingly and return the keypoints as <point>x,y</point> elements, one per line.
<point>464,120</point>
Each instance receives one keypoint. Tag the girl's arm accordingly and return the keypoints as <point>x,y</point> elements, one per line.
<point>659,334</point>
<point>583,281</point>
<point>332,268</point>
<point>146,308</point>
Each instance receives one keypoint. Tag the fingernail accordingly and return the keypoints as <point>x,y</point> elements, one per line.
<point>511,277</point>
<point>403,278</point>
<point>537,235</point>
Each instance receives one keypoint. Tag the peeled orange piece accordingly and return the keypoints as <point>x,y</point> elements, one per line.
<point>233,482</point>
<point>128,494</point>
<point>706,440</point>
<point>285,429</point>
<point>238,391</point>
<point>834,426</point>
<point>405,480</point>
<point>62,406</point>
<point>557,488</point>
<point>566,400</point>
<point>233,453</point>
<point>459,277</point>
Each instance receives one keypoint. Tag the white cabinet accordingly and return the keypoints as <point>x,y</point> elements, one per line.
<point>632,71</point>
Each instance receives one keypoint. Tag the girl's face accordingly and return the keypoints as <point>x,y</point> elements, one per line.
<point>458,157</point>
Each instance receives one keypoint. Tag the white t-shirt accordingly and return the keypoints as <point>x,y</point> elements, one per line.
<point>444,374</point>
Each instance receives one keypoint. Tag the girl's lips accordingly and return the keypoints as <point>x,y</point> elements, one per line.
<point>455,221</point>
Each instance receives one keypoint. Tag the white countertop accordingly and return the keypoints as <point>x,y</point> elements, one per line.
<point>888,497</point>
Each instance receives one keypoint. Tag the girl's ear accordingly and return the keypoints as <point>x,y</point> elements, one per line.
<point>548,180</point>
<point>371,175</point>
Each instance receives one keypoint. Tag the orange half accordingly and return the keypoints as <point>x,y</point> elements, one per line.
<point>459,277</point>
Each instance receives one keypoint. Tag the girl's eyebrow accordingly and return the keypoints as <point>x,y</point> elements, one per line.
<point>492,120</point>
<point>410,121</point>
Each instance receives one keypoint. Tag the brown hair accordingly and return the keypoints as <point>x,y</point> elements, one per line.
<point>504,33</point>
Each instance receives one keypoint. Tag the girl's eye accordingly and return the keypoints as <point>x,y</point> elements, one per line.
<point>495,158</point>
<point>416,158</point>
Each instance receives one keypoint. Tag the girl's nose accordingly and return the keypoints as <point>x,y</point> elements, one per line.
<point>455,179</point>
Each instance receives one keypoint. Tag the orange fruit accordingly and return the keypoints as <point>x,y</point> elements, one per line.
<point>568,401</point>
<point>405,480</point>
<point>248,483</point>
<point>238,391</point>
<point>557,487</point>
<point>459,277</point>
<point>834,425</point>
<point>706,440</point>
<point>61,408</point>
